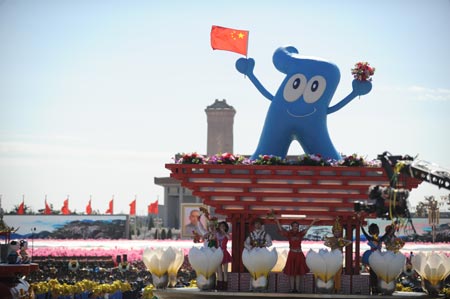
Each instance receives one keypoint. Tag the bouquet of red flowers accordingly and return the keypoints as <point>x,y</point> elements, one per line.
<point>192,158</point>
<point>363,71</point>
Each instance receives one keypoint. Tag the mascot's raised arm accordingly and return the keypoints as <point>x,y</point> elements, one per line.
<point>299,109</point>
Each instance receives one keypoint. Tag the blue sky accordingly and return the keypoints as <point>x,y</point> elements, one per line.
<point>96,96</point>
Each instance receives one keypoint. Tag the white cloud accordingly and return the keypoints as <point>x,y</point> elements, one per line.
<point>419,93</point>
<point>430,94</point>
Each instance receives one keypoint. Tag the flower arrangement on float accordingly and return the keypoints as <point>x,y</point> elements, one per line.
<point>313,160</point>
<point>353,160</point>
<point>225,158</point>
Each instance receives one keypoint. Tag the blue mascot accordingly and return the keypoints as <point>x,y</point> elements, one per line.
<point>299,109</point>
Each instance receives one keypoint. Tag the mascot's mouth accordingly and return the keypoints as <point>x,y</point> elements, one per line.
<point>303,115</point>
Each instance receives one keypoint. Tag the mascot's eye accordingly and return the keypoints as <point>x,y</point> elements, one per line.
<point>294,87</point>
<point>314,89</point>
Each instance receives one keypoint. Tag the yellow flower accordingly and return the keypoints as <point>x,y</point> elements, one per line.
<point>148,292</point>
<point>40,288</point>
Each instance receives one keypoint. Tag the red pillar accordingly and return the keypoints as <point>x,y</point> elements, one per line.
<point>348,249</point>
<point>238,225</point>
<point>357,247</point>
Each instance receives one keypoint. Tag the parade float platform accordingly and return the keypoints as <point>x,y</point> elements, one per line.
<point>13,270</point>
<point>189,293</point>
<point>301,193</point>
<point>9,273</point>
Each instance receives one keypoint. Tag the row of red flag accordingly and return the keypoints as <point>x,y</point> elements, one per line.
<point>151,208</point>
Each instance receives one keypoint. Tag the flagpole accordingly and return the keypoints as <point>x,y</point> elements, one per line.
<point>135,224</point>
<point>45,208</point>
<point>33,230</point>
<point>246,50</point>
<point>23,204</point>
<point>248,39</point>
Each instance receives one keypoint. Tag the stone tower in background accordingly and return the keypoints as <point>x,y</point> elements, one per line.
<point>220,118</point>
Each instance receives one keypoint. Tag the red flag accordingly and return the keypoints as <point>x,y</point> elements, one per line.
<point>48,210</point>
<point>133,208</point>
<point>229,39</point>
<point>65,208</point>
<point>110,210</point>
<point>89,208</point>
<point>21,208</point>
<point>153,208</point>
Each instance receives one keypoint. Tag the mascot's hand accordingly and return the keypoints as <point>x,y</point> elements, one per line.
<point>245,66</point>
<point>361,87</point>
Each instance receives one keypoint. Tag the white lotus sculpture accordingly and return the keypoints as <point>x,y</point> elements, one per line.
<point>281,260</point>
<point>259,262</point>
<point>172,271</point>
<point>324,264</point>
<point>205,262</point>
<point>158,261</point>
<point>434,268</point>
<point>388,266</point>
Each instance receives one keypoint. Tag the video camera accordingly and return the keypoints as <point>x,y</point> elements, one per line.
<point>386,202</point>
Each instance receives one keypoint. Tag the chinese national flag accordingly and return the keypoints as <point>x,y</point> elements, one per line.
<point>229,39</point>
<point>89,208</point>
<point>21,208</point>
<point>133,208</point>
<point>65,208</point>
<point>48,210</point>
<point>153,208</point>
<point>110,210</point>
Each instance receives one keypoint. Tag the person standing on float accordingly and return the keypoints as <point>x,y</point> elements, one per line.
<point>258,237</point>
<point>295,266</point>
<point>375,243</point>
<point>222,240</point>
<point>210,238</point>
<point>336,242</point>
<point>391,241</point>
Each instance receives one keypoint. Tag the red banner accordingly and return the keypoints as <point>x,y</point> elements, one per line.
<point>48,210</point>
<point>89,208</point>
<point>133,208</point>
<point>21,209</point>
<point>65,208</point>
<point>110,210</point>
<point>153,208</point>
